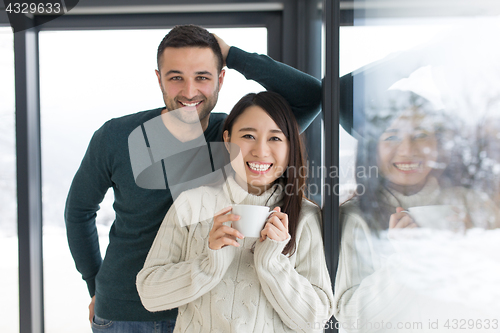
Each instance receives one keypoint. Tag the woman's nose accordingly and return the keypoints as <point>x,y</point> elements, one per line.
<point>406,147</point>
<point>261,148</point>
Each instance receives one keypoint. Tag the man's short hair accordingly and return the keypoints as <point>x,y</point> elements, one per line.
<point>190,36</point>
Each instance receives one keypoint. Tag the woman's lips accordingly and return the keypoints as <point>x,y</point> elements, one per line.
<point>408,167</point>
<point>259,167</point>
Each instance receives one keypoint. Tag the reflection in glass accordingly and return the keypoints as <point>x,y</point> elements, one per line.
<point>9,267</point>
<point>87,78</point>
<point>420,238</point>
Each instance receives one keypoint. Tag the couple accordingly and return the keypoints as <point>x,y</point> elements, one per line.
<point>218,280</point>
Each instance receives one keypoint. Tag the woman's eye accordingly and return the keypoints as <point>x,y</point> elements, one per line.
<point>275,138</point>
<point>392,138</point>
<point>248,136</point>
<point>421,136</point>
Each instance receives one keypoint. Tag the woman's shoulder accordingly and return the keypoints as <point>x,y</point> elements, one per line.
<point>351,207</point>
<point>195,194</point>
<point>309,209</point>
<point>195,199</point>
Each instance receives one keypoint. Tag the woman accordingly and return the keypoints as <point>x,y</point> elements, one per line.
<point>223,282</point>
<point>390,270</point>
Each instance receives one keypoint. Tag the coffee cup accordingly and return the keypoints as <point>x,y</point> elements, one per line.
<point>252,219</point>
<point>435,216</point>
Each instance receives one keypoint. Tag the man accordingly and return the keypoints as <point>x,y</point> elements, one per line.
<point>190,74</point>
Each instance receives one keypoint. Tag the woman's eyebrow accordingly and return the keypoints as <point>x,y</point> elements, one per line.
<point>247,129</point>
<point>251,129</point>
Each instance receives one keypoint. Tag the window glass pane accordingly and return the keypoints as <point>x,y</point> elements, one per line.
<point>87,78</point>
<point>421,161</point>
<point>8,194</point>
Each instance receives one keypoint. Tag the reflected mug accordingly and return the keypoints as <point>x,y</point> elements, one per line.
<point>443,217</point>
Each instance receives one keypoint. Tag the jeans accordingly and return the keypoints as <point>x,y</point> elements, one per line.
<point>109,326</point>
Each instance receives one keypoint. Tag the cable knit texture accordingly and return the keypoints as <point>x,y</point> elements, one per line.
<point>368,287</point>
<point>236,289</point>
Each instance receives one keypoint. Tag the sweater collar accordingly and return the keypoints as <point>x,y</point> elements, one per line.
<point>426,196</point>
<point>236,194</point>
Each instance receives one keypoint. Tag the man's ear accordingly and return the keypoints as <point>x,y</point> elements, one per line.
<point>221,77</point>
<point>226,138</point>
<point>158,75</point>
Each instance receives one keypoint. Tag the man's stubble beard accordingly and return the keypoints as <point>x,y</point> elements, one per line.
<point>207,107</point>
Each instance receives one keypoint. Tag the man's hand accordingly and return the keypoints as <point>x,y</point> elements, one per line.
<point>224,49</point>
<point>91,309</point>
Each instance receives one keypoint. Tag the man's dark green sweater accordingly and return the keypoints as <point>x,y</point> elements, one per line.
<point>140,211</point>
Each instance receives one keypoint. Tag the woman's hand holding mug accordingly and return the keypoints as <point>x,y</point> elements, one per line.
<point>222,235</point>
<point>276,227</point>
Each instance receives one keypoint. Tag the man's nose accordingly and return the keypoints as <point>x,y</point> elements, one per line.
<point>190,89</point>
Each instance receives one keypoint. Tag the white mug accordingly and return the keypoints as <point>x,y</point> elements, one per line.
<point>435,216</point>
<point>252,219</point>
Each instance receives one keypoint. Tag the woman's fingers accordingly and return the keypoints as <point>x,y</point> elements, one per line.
<point>222,235</point>
<point>278,223</point>
<point>283,217</point>
<point>225,230</point>
<point>272,231</point>
<point>401,220</point>
<point>276,226</point>
<point>225,240</point>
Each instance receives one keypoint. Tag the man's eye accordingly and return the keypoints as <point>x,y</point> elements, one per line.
<point>202,78</point>
<point>175,78</point>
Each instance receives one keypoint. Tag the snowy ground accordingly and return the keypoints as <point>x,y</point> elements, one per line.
<point>66,295</point>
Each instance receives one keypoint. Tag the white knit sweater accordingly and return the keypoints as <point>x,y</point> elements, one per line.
<point>387,285</point>
<point>234,289</point>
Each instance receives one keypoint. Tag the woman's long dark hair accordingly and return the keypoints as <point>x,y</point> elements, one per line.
<point>374,206</point>
<point>294,183</point>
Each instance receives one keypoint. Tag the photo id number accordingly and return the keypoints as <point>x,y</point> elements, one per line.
<point>34,8</point>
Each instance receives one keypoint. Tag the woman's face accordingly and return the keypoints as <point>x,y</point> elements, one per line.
<point>264,150</point>
<point>407,152</point>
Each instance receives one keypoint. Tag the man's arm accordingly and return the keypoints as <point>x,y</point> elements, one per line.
<point>88,188</point>
<point>301,90</point>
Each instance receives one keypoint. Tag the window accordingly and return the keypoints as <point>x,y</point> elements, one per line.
<point>88,77</point>
<point>8,209</point>
<point>425,213</point>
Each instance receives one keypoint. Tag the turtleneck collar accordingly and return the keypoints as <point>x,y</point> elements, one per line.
<point>272,197</point>
<point>428,195</point>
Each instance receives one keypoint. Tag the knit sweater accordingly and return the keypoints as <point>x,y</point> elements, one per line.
<point>140,210</point>
<point>234,289</point>
<point>384,280</point>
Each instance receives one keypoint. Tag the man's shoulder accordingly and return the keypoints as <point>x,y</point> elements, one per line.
<point>214,130</point>
<point>137,118</point>
<point>124,125</point>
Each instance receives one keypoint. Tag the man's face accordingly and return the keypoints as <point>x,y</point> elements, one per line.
<point>189,81</point>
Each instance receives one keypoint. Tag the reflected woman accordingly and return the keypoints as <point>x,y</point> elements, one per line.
<point>385,258</point>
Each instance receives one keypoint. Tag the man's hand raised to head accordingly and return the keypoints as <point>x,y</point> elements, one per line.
<point>224,49</point>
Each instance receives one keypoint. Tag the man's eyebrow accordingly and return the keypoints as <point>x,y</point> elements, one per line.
<point>175,71</point>
<point>203,73</point>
